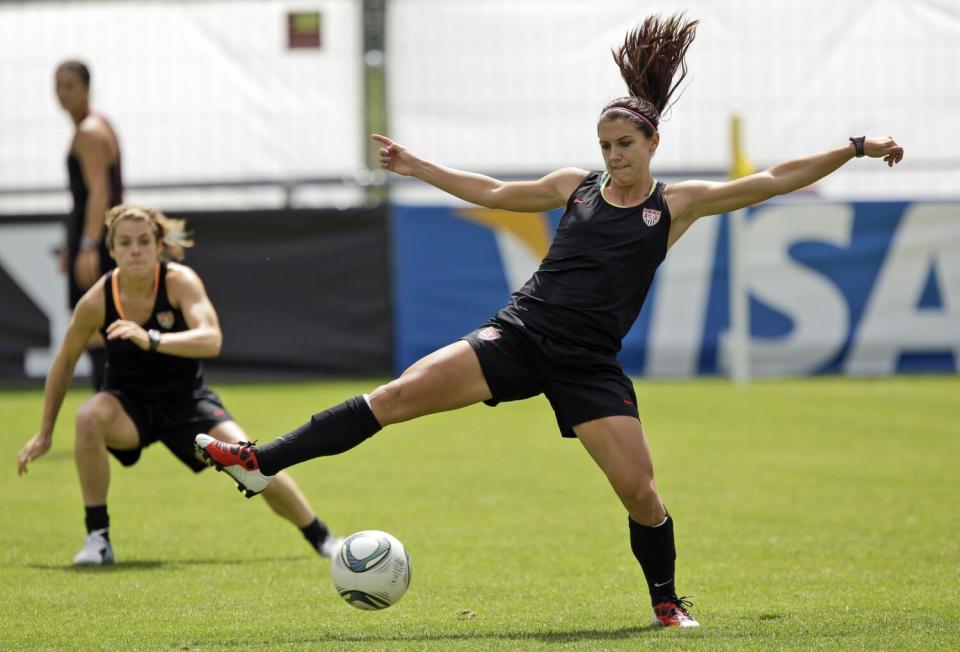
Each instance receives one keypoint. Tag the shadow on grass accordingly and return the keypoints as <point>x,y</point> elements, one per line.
<point>549,637</point>
<point>572,636</point>
<point>153,564</point>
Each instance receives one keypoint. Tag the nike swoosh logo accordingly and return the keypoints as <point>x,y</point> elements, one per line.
<point>658,585</point>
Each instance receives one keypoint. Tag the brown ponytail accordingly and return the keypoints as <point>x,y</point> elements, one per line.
<point>648,61</point>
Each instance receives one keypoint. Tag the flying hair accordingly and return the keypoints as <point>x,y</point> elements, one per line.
<point>649,60</point>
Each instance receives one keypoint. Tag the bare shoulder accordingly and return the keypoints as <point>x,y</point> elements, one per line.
<point>182,276</point>
<point>682,198</point>
<point>569,174</point>
<point>184,285</point>
<point>93,144</point>
<point>93,130</point>
<point>90,311</point>
<point>566,180</point>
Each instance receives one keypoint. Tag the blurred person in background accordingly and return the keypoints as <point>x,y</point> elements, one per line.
<point>93,165</point>
<point>560,333</point>
<point>157,323</point>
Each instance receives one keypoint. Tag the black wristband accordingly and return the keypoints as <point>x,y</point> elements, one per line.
<point>154,336</point>
<point>858,145</point>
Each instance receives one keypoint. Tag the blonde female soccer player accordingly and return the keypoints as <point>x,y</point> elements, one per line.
<point>157,322</point>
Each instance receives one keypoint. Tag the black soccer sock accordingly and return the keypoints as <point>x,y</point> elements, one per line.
<point>655,550</point>
<point>315,533</point>
<point>330,432</point>
<point>96,518</point>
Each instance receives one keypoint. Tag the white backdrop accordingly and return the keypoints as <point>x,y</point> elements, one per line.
<point>205,89</point>
<point>197,91</point>
<point>518,85</point>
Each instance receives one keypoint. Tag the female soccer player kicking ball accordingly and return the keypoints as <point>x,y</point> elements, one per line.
<point>560,333</point>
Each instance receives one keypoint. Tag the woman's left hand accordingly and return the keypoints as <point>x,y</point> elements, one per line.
<point>124,329</point>
<point>885,148</point>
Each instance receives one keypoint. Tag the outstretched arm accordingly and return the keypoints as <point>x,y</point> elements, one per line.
<point>84,322</point>
<point>546,193</point>
<point>690,200</point>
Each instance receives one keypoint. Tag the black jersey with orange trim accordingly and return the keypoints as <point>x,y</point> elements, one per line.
<point>592,283</point>
<point>143,373</point>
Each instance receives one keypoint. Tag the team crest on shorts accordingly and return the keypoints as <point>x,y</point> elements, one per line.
<point>489,334</point>
<point>650,216</point>
<point>165,319</point>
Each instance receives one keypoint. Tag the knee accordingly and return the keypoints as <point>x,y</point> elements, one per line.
<point>90,423</point>
<point>388,401</point>
<point>642,500</point>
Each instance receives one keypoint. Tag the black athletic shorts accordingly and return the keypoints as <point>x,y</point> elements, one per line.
<point>581,385</point>
<point>174,422</point>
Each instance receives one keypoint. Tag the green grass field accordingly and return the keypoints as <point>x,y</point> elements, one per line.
<point>813,514</point>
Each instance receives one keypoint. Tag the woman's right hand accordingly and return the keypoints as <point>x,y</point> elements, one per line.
<point>37,446</point>
<point>395,157</point>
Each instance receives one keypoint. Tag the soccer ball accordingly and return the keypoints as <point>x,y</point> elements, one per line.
<point>371,570</point>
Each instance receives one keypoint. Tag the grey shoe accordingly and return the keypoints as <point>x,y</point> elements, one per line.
<point>96,550</point>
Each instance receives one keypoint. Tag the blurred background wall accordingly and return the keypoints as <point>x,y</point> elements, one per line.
<point>200,93</point>
<point>216,112</point>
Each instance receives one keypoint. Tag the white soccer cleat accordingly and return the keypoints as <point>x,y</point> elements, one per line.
<point>330,546</point>
<point>238,460</point>
<point>96,550</point>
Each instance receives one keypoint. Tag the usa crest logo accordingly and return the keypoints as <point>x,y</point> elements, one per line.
<point>650,216</point>
<point>489,334</point>
<point>165,319</point>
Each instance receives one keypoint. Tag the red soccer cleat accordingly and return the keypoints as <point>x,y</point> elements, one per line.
<point>238,460</point>
<point>673,613</point>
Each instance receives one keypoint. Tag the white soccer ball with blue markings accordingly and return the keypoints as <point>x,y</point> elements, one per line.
<point>371,570</point>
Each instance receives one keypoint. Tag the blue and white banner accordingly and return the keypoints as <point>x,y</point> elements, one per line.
<point>850,288</point>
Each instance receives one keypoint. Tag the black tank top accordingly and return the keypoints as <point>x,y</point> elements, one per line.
<point>80,193</point>
<point>142,373</point>
<point>592,283</point>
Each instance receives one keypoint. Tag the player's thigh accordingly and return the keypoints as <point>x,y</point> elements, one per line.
<point>104,415</point>
<point>619,446</point>
<point>228,431</point>
<point>447,379</point>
